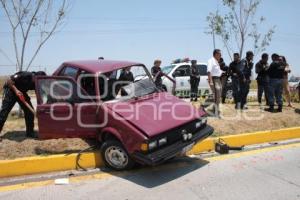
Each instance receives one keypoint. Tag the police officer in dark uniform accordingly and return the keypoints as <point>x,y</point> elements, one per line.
<point>224,78</point>
<point>157,74</point>
<point>126,77</point>
<point>194,80</point>
<point>15,90</point>
<point>276,74</point>
<point>236,77</point>
<point>246,66</point>
<point>261,69</point>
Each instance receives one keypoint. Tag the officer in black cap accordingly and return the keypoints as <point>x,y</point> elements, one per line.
<point>15,90</point>
<point>194,80</point>
<point>246,66</point>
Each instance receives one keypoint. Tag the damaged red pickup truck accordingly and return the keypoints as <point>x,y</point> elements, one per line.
<point>118,104</point>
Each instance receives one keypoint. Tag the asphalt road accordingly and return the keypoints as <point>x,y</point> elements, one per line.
<point>270,174</point>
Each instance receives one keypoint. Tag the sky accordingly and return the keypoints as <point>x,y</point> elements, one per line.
<point>142,31</point>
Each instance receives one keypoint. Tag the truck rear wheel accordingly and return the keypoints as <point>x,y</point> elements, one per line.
<point>115,156</point>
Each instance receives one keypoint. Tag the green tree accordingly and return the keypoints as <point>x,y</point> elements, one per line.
<point>239,27</point>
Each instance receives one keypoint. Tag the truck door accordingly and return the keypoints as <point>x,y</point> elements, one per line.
<point>204,88</point>
<point>61,111</point>
<point>182,77</point>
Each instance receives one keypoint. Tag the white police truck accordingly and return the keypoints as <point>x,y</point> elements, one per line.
<point>179,70</point>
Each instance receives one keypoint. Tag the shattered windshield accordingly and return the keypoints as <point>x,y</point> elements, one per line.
<point>126,83</point>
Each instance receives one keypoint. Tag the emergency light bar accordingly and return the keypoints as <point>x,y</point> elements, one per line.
<point>179,60</point>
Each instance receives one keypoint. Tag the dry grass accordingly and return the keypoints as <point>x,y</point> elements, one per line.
<point>253,119</point>
<point>253,85</point>
<point>2,81</point>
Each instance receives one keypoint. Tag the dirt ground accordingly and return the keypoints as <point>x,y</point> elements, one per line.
<point>14,144</point>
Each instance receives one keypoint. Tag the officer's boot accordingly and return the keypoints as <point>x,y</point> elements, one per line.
<point>30,133</point>
<point>279,108</point>
<point>270,109</point>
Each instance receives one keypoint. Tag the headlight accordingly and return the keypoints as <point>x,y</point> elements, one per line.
<point>152,145</point>
<point>162,141</point>
<point>185,137</point>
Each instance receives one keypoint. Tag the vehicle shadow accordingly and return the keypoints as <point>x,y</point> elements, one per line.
<point>17,136</point>
<point>151,177</point>
<point>40,151</point>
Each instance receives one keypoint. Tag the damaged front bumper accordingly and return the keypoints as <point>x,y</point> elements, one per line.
<point>172,150</point>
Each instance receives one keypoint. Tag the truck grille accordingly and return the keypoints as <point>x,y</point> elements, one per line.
<point>175,134</point>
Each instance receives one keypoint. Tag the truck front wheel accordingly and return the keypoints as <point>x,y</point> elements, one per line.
<point>115,156</point>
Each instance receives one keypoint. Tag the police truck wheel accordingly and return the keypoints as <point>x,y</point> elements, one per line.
<point>115,156</point>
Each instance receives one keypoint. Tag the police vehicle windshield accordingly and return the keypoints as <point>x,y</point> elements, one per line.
<point>167,69</point>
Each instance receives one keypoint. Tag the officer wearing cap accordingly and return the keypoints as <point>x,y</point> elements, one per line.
<point>246,66</point>
<point>15,90</point>
<point>194,80</point>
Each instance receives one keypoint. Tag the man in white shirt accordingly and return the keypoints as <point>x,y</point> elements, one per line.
<point>214,74</point>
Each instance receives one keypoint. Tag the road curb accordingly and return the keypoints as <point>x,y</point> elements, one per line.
<point>44,164</point>
<point>248,139</point>
<point>61,162</point>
